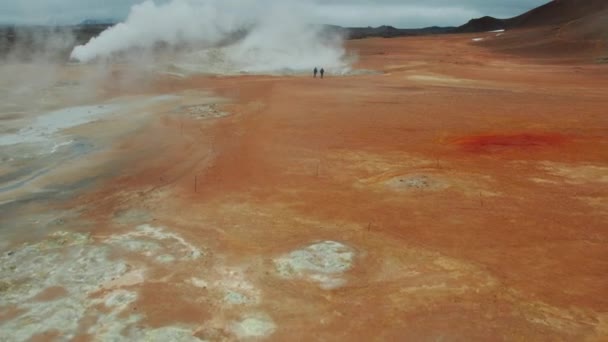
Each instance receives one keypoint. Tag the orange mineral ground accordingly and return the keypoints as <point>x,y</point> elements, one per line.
<point>456,193</point>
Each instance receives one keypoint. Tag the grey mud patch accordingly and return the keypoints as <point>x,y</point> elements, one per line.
<point>36,222</point>
<point>236,298</point>
<point>431,182</point>
<point>64,260</point>
<point>323,263</point>
<point>231,293</point>
<point>97,290</point>
<point>203,111</point>
<point>157,243</point>
<point>165,334</point>
<point>132,216</point>
<point>90,291</point>
<point>253,326</point>
<point>230,285</point>
<point>413,182</point>
<point>398,172</point>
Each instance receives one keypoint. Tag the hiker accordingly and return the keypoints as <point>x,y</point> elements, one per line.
<point>322,72</point>
<point>315,72</point>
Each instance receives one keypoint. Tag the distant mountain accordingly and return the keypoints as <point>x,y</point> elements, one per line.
<point>556,12</point>
<point>386,31</point>
<point>98,22</point>
<point>483,24</point>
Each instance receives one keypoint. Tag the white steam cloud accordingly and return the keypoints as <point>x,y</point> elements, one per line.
<point>256,36</point>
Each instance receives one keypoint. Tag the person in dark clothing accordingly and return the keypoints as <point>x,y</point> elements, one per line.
<point>322,72</point>
<point>315,72</point>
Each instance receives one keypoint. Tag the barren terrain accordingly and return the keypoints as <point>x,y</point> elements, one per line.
<point>458,193</point>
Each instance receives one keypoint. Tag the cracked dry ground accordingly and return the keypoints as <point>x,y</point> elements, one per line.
<point>460,195</point>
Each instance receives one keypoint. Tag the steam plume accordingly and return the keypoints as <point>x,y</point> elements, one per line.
<point>255,36</point>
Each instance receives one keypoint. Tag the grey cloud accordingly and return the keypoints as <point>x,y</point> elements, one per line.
<point>419,13</point>
<point>402,13</point>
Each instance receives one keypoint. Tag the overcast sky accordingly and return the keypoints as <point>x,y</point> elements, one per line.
<point>400,13</point>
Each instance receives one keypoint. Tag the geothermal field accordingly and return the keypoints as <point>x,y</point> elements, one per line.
<point>433,188</point>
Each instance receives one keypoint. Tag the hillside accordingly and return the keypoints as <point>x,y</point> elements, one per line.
<point>556,12</point>
<point>566,30</point>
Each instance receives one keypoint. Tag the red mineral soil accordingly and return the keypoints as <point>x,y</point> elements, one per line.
<point>472,186</point>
